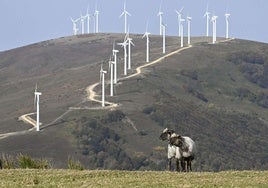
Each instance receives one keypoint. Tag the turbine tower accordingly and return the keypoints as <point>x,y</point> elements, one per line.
<point>124,45</point>
<point>227,15</point>
<point>181,23</point>
<point>146,34</point>
<point>88,20</point>
<point>102,79</point>
<point>36,101</point>
<point>189,19</point>
<point>164,38</point>
<point>179,13</point>
<point>160,14</point>
<point>129,41</point>
<point>82,18</point>
<point>207,17</point>
<point>96,16</point>
<point>214,25</point>
<point>125,13</point>
<point>111,67</point>
<point>115,63</point>
<point>75,29</point>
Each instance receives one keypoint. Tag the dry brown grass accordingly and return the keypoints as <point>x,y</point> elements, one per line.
<point>100,178</point>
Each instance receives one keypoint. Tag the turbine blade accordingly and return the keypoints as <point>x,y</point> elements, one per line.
<point>181,9</point>
<point>121,14</point>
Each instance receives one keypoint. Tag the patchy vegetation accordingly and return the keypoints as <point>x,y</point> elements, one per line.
<point>103,146</point>
<point>254,66</point>
<point>103,179</point>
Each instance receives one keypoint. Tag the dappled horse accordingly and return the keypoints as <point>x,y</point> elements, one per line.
<point>173,151</point>
<point>187,147</point>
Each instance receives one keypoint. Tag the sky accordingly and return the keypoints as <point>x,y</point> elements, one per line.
<point>25,22</point>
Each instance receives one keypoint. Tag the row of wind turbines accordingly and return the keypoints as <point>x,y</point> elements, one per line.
<point>128,42</point>
<point>86,18</point>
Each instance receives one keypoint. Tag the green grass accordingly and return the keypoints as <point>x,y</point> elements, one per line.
<point>73,178</point>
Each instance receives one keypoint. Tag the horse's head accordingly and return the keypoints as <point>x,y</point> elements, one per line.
<point>176,140</point>
<point>165,135</point>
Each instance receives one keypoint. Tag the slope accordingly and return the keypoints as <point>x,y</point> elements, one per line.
<point>204,92</point>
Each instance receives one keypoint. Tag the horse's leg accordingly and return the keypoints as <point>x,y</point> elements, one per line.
<point>190,165</point>
<point>169,164</point>
<point>177,165</point>
<point>183,164</point>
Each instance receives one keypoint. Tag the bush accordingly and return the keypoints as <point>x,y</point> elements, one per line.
<point>8,162</point>
<point>25,161</point>
<point>74,165</point>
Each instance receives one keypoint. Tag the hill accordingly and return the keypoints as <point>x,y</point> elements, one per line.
<point>217,94</point>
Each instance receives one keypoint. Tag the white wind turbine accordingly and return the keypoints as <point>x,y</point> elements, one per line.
<point>125,14</point>
<point>207,17</point>
<point>88,20</point>
<point>102,80</point>
<point>146,34</point>
<point>75,29</point>
<point>36,101</point>
<point>111,67</point>
<point>96,16</point>
<point>82,18</point>
<point>124,45</point>
<point>227,15</point>
<point>129,41</point>
<point>164,38</point>
<point>160,14</point>
<point>179,13</point>
<point>189,19</point>
<point>214,25</point>
<point>115,63</point>
<point>181,23</point>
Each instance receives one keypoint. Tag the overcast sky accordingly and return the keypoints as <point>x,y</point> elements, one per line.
<point>25,22</point>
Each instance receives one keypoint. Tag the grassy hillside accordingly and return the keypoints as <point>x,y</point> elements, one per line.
<point>217,94</point>
<point>69,178</point>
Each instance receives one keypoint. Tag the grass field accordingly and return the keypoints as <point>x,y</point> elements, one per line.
<point>73,178</point>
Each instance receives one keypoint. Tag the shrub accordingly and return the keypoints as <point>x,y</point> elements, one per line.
<point>8,162</point>
<point>25,161</point>
<point>74,165</point>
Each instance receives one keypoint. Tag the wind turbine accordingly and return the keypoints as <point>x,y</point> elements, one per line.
<point>124,44</point>
<point>189,19</point>
<point>125,13</point>
<point>88,20</point>
<point>181,23</point>
<point>160,14</point>
<point>96,15</point>
<point>115,63</point>
<point>102,79</point>
<point>111,67</point>
<point>82,18</point>
<point>214,25</point>
<point>179,13</point>
<point>227,15</point>
<point>75,25</point>
<point>36,101</point>
<point>129,41</point>
<point>208,17</point>
<point>146,34</point>
<point>164,38</point>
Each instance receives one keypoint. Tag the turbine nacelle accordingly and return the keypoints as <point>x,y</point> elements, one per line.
<point>189,18</point>
<point>227,15</point>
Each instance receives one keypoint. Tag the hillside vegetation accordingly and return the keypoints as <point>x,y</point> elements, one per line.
<point>216,94</point>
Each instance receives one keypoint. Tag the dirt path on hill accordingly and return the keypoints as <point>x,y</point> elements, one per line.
<point>91,95</point>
